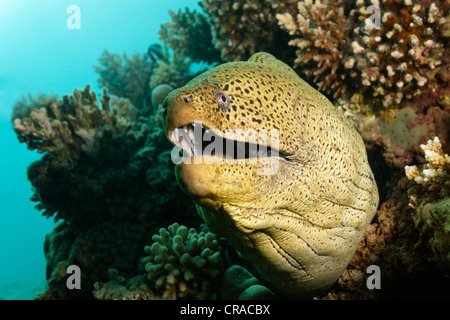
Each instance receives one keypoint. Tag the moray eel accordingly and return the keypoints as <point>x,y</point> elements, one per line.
<point>301,223</point>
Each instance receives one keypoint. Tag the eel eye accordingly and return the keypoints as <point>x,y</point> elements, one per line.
<point>222,99</point>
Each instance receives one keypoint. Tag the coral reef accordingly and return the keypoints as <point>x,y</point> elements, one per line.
<point>126,77</point>
<point>397,59</point>
<point>429,194</point>
<point>102,156</point>
<point>107,177</point>
<point>321,48</point>
<point>183,263</point>
<point>189,35</point>
<point>432,183</point>
<point>241,28</point>
<point>400,59</point>
<point>107,173</point>
<point>393,243</point>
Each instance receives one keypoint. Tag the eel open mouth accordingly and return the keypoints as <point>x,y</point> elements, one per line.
<point>198,140</point>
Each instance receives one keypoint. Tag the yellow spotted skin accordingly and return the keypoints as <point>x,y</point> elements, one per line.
<point>301,225</point>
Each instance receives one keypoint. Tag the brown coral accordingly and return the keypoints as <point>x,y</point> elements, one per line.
<point>241,28</point>
<point>399,59</point>
<point>69,127</point>
<point>323,29</point>
<point>393,243</point>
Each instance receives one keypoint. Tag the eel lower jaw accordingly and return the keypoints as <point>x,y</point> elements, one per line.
<point>198,140</point>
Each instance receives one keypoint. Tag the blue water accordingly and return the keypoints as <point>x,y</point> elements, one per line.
<point>38,53</point>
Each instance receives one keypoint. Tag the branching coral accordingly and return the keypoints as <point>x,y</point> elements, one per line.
<point>430,197</point>
<point>172,70</point>
<point>400,58</point>
<point>99,162</point>
<point>69,127</point>
<point>126,77</point>
<point>183,263</point>
<point>396,59</point>
<point>23,107</point>
<point>241,28</point>
<point>323,28</point>
<point>189,35</point>
<point>433,181</point>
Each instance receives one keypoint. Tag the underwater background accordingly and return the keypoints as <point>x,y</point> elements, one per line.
<point>41,54</point>
<point>97,187</point>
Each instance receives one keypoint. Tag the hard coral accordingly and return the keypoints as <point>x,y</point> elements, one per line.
<point>172,69</point>
<point>99,163</point>
<point>183,263</point>
<point>393,244</point>
<point>392,49</point>
<point>399,58</point>
<point>432,183</point>
<point>323,29</point>
<point>126,77</point>
<point>429,193</point>
<point>241,28</point>
<point>69,127</point>
<point>189,35</point>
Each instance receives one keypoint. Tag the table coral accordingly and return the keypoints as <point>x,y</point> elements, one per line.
<point>183,263</point>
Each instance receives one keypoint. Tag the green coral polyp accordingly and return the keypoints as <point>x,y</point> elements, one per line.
<point>183,262</point>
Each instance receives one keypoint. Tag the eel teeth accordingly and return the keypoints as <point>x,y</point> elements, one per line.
<point>189,137</point>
